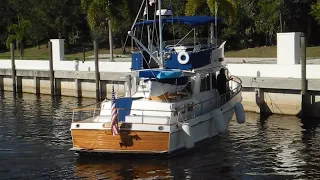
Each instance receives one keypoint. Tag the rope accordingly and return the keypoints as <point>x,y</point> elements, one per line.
<point>272,102</point>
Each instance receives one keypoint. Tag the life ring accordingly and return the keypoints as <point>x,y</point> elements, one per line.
<point>183,61</point>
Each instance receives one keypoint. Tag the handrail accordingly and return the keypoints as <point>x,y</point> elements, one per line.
<point>232,78</point>
<point>176,111</point>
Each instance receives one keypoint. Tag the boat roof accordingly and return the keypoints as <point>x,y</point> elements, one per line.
<point>188,20</point>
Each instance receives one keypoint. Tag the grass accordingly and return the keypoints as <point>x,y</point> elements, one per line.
<point>268,52</point>
<point>42,53</point>
<point>258,52</point>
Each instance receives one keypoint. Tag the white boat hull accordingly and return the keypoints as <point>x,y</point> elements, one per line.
<point>151,138</point>
<point>204,130</point>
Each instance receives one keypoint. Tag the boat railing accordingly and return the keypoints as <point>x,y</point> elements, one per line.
<point>219,101</point>
<point>81,114</point>
<point>190,42</point>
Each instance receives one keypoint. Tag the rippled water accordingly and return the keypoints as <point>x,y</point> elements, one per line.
<point>35,138</point>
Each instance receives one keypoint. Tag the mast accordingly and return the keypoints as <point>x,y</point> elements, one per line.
<point>148,26</point>
<point>160,36</point>
<point>216,22</point>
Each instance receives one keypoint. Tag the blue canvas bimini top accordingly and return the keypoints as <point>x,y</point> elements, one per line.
<point>160,74</point>
<point>188,20</point>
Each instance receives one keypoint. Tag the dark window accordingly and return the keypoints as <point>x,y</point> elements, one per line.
<point>205,84</point>
<point>214,80</point>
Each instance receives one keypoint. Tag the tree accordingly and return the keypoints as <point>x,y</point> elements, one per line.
<point>267,19</point>
<point>103,14</point>
<point>20,32</point>
<point>225,6</point>
<point>315,11</point>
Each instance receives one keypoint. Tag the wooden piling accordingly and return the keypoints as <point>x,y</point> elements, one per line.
<point>97,73</point>
<point>260,101</point>
<point>19,84</point>
<point>52,83</point>
<point>78,88</point>
<point>304,84</point>
<point>103,89</point>
<point>1,84</point>
<point>57,87</point>
<point>13,68</point>
<point>36,85</point>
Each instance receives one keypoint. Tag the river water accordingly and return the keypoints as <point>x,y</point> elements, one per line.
<point>35,138</point>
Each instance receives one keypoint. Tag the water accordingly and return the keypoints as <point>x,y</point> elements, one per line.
<point>35,138</point>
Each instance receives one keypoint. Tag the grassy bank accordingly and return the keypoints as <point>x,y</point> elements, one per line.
<point>268,52</point>
<point>41,53</point>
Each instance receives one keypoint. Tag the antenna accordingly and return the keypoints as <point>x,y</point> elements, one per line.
<point>160,36</point>
<point>216,22</point>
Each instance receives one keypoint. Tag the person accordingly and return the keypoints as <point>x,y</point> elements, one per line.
<point>222,82</point>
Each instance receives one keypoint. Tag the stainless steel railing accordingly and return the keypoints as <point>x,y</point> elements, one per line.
<point>90,113</point>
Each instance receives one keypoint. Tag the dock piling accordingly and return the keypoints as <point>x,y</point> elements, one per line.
<point>19,84</point>
<point>52,83</point>
<point>103,89</point>
<point>304,84</point>
<point>97,73</point>
<point>78,88</point>
<point>1,84</point>
<point>13,68</point>
<point>36,85</point>
<point>57,87</point>
<point>260,100</point>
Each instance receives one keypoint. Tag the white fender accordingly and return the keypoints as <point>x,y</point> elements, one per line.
<point>185,61</point>
<point>219,121</point>
<point>239,111</point>
<point>187,135</point>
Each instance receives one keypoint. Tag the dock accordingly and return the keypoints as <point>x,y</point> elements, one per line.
<point>284,85</point>
<point>66,83</point>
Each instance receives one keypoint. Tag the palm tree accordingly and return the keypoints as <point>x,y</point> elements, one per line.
<point>228,6</point>
<point>19,34</point>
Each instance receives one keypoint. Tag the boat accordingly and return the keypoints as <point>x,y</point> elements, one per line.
<point>174,99</point>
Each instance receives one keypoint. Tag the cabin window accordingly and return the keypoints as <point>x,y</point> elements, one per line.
<point>205,83</point>
<point>214,80</point>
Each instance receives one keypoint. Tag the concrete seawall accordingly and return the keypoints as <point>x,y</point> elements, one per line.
<point>270,85</point>
<point>279,95</point>
<point>260,94</point>
<point>67,83</point>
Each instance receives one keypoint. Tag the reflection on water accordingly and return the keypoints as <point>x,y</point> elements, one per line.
<point>35,138</point>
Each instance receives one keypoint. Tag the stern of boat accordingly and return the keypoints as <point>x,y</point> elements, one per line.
<point>90,135</point>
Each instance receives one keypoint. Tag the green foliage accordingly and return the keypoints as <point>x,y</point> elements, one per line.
<point>249,22</point>
<point>19,31</point>
<point>227,7</point>
<point>99,11</point>
<point>268,16</point>
<point>316,11</point>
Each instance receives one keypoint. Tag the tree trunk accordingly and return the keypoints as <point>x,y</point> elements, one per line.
<point>37,41</point>
<point>123,46</point>
<point>309,30</point>
<point>270,39</point>
<point>110,40</point>
<point>266,40</point>
<point>21,50</point>
<point>18,44</point>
